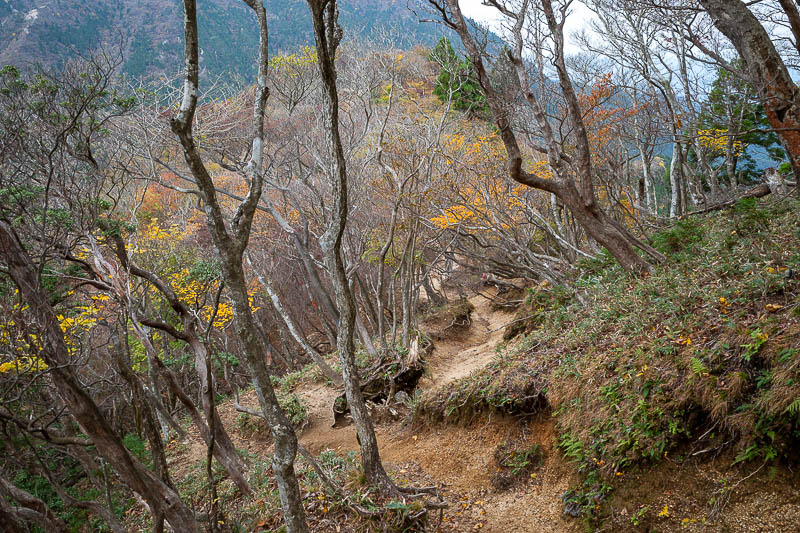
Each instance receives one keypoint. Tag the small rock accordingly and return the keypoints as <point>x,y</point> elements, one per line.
<point>572,509</point>
<point>403,397</point>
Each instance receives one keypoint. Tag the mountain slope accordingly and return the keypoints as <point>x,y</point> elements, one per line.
<point>52,31</point>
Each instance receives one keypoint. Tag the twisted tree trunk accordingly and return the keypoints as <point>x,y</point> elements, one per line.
<point>160,497</point>
<point>327,34</point>
<point>774,85</point>
<point>230,246</point>
<point>573,185</point>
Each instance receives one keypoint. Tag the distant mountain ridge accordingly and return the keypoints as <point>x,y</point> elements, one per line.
<point>52,31</point>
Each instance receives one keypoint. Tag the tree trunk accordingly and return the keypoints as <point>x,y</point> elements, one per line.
<point>647,178</point>
<point>327,34</point>
<point>148,410</point>
<point>381,277</point>
<point>776,89</point>
<point>283,434</point>
<point>366,299</point>
<point>155,397</point>
<point>600,227</point>
<point>161,498</point>
<point>676,181</point>
<point>435,298</point>
<point>30,508</point>
<point>230,247</point>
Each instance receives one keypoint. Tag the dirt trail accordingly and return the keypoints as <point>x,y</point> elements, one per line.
<point>451,359</point>
<point>460,458</point>
<point>455,358</point>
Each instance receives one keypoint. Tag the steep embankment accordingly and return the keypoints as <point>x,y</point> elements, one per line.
<point>459,459</point>
<point>661,403</point>
<point>676,395</point>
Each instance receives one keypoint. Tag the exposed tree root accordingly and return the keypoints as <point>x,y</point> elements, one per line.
<point>387,377</point>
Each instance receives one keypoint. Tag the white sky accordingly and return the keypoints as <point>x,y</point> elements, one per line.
<point>576,20</point>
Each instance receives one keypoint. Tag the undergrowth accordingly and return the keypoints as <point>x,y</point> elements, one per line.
<point>293,405</point>
<point>706,350</point>
<point>323,505</point>
<point>516,461</point>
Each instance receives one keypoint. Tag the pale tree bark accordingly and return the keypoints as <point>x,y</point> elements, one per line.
<point>645,199</point>
<point>327,35</point>
<point>161,498</point>
<point>771,79</point>
<point>676,181</point>
<point>379,290</point>
<point>573,185</point>
<point>223,448</point>
<point>230,245</point>
<point>407,269</point>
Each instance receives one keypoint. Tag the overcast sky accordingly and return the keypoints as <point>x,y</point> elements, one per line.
<point>576,21</point>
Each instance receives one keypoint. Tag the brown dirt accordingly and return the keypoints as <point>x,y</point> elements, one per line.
<point>763,499</point>
<point>460,460</point>
<point>457,357</point>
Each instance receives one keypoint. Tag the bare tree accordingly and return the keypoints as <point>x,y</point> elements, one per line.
<point>230,242</point>
<point>328,34</point>
<point>55,167</point>
<point>573,183</point>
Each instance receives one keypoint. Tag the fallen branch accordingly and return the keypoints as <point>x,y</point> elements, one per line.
<point>756,192</point>
<point>513,322</point>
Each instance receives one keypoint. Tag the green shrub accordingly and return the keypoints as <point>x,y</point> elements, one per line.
<point>137,447</point>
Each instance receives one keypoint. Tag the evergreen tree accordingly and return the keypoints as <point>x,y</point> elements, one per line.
<point>456,81</point>
<point>732,109</point>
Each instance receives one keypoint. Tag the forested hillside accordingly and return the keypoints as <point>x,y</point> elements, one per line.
<point>368,283</point>
<point>150,31</point>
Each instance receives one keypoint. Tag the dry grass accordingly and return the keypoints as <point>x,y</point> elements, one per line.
<point>704,354</point>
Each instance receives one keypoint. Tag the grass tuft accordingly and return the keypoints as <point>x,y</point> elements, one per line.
<point>704,351</point>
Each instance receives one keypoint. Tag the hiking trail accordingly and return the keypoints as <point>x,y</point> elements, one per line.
<point>459,459</point>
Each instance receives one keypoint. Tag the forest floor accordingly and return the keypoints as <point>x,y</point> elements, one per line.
<point>625,404</point>
<point>462,459</point>
<point>459,459</point>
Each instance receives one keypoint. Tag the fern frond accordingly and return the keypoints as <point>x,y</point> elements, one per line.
<point>698,367</point>
<point>794,407</point>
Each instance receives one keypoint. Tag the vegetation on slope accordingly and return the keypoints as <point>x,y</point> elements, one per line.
<point>704,352</point>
